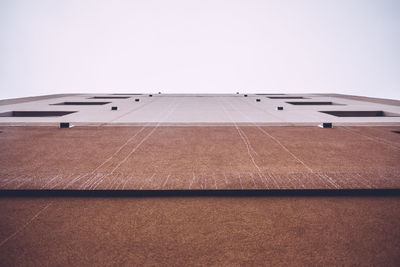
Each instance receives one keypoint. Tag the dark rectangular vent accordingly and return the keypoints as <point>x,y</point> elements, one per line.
<point>326,125</point>
<point>363,113</point>
<point>82,103</point>
<point>65,125</point>
<point>398,132</point>
<point>110,97</point>
<point>286,97</point>
<point>35,113</point>
<point>314,103</point>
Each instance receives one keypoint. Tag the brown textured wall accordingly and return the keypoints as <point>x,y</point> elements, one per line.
<point>223,157</point>
<point>218,231</point>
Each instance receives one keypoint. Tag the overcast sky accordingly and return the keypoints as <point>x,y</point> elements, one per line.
<point>174,46</point>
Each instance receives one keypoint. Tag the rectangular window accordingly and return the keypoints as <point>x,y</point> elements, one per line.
<point>363,113</point>
<point>270,94</point>
<point>126,94</point>
<point>314,103</point>
<point>35,113</point>
<point>110,97</point>
<point>286,97</point>
<point>82,103</point>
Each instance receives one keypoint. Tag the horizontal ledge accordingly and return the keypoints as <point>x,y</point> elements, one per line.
<point>202,193</point>
<point>196,124</point>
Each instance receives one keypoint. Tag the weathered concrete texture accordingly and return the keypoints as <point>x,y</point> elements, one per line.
<point>273,231</point>
<point>225,157</point>
<point>198,109</point>
<point>392,102</point>
<point>32,99</point>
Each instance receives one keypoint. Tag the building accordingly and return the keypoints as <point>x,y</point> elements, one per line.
<point>200,179</point>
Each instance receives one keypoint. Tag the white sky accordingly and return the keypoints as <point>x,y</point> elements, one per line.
<point>174,46</point>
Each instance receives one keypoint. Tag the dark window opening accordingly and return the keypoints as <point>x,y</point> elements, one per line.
<point>65,125</point>
<point>345,113</point>
<point>82,103</point>
<point>35,113</point>
<point>326,125</point>
<point>286,97</point>
<point>398,132</point>
<point>109,97</point>
<point>314,103</point>
<point>270,94</point>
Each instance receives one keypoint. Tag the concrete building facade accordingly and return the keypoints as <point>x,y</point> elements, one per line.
<point>187,142</point>
<point>173,109</point>
<point>161,179</point>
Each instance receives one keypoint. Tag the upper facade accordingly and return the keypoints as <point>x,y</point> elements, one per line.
<point>201,109</point>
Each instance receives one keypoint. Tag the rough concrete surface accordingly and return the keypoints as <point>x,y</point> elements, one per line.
<point>219,157</point>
